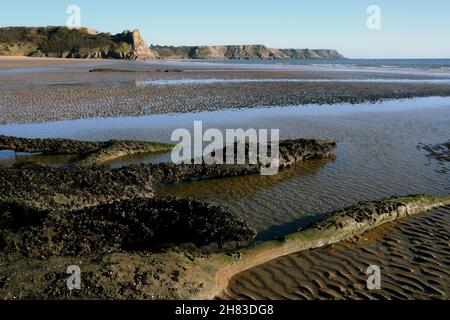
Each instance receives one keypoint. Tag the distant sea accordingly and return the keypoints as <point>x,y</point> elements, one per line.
<point>443,64</point>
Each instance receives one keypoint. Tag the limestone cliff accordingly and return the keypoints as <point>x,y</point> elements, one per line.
<point>141,50</point>
<point>242,52</point>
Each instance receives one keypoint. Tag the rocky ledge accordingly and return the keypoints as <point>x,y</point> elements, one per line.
<point>44,209</point>
<point>139,224</point>
<point>91,153</point>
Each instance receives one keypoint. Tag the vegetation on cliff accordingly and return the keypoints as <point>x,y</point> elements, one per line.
<point>62,42</point>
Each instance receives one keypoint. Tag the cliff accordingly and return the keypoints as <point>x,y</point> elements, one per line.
<point>242,52</point>
<point>62,42</point>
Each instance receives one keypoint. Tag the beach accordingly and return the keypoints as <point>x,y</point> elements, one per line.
<point>389,131</point>
<point>20,62</point>
<point>414,255</point>
<point>57,90</point>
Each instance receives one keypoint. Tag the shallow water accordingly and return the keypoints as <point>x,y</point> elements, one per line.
<point>411,67</point>
<point>216,81</point>
<point>413,255</point>
<point>377,155</point>
<point>9,158</point>
<point>378,63</point>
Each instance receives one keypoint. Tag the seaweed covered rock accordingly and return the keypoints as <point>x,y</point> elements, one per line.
<point>293,151</point>
<point>371,213</point>
<point>88,183</point>
<point>71,188</point>
<point>439,153</point>
<point>49,146</point>
<point>92,153</point>
<point>89,208</point>
<point>181,274</point>
<point>130,225</point>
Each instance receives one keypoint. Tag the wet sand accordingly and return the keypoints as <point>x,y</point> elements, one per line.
<point>56,91</point>
<point>14,62</point>
<point>414,257</point>
<point>378,155</point>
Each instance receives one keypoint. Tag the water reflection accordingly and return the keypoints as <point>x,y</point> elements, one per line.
<point>8,158</point>
<point>376,155</point>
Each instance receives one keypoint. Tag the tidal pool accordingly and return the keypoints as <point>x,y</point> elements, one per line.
<point>381,151</point>
<point>377,155</point>
<point>8,158</point>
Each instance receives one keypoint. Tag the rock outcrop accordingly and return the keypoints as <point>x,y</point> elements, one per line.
<point>43,209</point>
<point>141,50</point>
<point>139,224</point>
<point>92,153</point>
<point>87,183</point>
<point>180,274</point>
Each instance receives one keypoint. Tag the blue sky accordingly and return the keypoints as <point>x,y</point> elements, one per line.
<point>409,29</point>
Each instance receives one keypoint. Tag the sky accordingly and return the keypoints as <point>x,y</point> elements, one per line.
<point>409,28</point>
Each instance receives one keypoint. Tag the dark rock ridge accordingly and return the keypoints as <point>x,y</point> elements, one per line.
<point>242,52</point>
<point>91,208</point>
<point>62,42</point>
<point>131,225</point>
<point>89,184</point>
<point>93,152</point>
<point>49,146</point>
<point>369,212</point>
<point>182,274</point>
<point>44,188</point>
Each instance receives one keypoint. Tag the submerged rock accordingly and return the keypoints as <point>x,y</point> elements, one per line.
<point>439,153</point>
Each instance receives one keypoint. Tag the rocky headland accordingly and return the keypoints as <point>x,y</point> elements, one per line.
<point>62,42</point>
<point>242,52</point>
<point>84,43</point>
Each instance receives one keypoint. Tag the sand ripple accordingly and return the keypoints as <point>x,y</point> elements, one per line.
<point>414,256</point>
